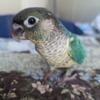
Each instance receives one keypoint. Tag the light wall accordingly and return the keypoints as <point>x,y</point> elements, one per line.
<point>9,6</point>
<point>78,10</point>
<point>13,6</point>
<point>38,3</point>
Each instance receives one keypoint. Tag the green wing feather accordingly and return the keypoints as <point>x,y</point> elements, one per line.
<point>76,48</point>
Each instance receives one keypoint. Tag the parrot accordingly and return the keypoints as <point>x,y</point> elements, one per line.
<point>57,45</point>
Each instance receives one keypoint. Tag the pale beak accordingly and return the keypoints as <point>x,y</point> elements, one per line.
<point>18,32</point>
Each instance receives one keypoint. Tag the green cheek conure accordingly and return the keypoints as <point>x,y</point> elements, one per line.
<point>58,46</point>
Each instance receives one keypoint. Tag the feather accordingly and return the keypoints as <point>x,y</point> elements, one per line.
<point>76,49</point>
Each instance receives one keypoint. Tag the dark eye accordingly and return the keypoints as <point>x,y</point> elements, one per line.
<point>31,21</point>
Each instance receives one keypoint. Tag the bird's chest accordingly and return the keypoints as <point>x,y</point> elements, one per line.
<point>55,52</point>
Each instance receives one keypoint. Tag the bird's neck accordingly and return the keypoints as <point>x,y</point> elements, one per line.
<point>47,31</point>
<point>56,39</point>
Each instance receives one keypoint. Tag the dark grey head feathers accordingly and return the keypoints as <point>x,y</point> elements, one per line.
<point>28,19</point>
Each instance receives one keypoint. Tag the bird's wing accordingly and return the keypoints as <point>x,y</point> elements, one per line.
<point>76,49</point>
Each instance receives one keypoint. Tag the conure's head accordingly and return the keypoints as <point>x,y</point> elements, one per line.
<point>33,23</point>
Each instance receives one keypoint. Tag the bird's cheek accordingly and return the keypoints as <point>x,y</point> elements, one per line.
<point>28,35</point>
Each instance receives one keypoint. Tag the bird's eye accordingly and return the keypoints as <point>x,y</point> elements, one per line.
<point>30,21</point>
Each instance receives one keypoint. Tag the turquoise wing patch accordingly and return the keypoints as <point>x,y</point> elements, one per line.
<point>77,50</point>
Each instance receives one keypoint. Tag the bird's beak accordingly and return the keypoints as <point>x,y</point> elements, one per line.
<point>18,32</point>
<point>18,38</point>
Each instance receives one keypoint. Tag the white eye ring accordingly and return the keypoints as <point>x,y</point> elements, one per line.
<point>27,24</point>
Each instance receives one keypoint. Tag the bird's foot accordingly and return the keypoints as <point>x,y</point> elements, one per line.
<point>54,75</point>
<point>69,76</point>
